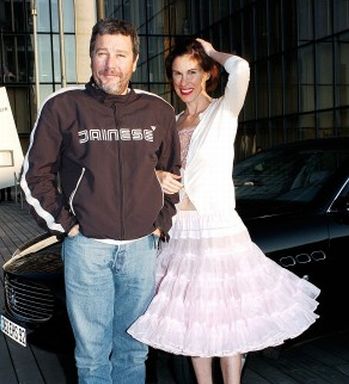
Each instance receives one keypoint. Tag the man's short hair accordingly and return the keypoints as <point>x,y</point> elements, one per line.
<point>110,26</point>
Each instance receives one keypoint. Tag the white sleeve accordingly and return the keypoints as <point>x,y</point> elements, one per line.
<point>236,88</point>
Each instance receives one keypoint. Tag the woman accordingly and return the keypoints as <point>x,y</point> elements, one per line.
<point>218,294</point>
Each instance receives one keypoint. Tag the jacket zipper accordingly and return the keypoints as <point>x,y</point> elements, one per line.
<point>72,195</point>
<point>122,229</point>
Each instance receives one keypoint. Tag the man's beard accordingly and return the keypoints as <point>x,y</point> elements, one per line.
<point>113,88</point>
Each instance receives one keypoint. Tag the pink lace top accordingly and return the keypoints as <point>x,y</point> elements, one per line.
<point>185,135</point>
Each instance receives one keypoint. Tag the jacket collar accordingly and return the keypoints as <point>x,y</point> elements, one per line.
<point>107,99</point>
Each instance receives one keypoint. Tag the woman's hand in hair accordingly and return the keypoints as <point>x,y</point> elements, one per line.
<point>207,46</point>
<point>220,57</point>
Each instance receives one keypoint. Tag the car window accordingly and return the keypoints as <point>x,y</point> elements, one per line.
<point>285,175</point>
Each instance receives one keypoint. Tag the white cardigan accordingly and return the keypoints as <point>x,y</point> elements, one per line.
<point>207,177</point>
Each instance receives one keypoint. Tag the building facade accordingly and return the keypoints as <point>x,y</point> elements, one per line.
<point>298,51</point>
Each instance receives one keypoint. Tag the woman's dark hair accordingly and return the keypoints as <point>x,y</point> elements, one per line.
<point>190,46</point>
<point>110,26</point>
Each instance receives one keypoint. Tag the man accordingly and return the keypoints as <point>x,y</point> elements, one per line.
<point>105,142</point>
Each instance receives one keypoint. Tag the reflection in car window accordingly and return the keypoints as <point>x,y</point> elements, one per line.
<point>285,175</point>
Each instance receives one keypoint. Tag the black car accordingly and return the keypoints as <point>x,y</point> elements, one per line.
<point>294,200</point>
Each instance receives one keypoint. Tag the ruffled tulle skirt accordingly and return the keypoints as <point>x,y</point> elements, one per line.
<point>218,294</point>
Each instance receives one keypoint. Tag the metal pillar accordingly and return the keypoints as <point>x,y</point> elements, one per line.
<point>62,45</point>
<point>36,56</point>
<point>100,9</point>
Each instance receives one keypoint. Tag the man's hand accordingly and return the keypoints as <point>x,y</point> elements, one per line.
<point>157,232</point>
<point>74,231</point>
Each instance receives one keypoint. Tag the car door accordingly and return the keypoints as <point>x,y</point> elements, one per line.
<point>299,242</point>
<point>336,283</point>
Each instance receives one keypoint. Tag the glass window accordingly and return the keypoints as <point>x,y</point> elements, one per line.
<point>5,17</point>
<point>141,73</point>
<point>235,5</point>
<point>162,90</point>
<point>324,75</point>
<point>45,59</point>
<point>289,20</point>
<point>291,83</point>
<point>249,110</point>
<point>70,57</point>
<point>343,122</point>
<point>225,6</point>
<point>18,12</point>
<point>277,131</point>
<point>24,64</point>
<point>248,36</point>
<point>45,91</point>
<point>204,12</point>
<point>261,29</point>
<point>113,8</point>
<point>16,61</point>
<point>307,126</point>
<point>135,12</point>
<point>276,89</point>
<point>156,15</point>
<point>306,76</point>
<point>56,58</point>
<point>292,128</point>
<point>225,29</point>
<point>234,44</point>
<point>54,13</point>
<point>286,174</point>
<point>68,10</point>
<point>245,142</point>
<point>323,25</point>
<point>342,69</point>
<point>9,60</point>
<point>43,16</point>
<point>215,11</point>
<point>326,125</point>
<point>219,9</point>
<point>239,155</point>
<point>341,15</point>
<point>177,103</point>
<point>20,104</point>
<point>216,36</point>
<point>142,86</point>
<point>179,20</point>
<point>275,26</point>
<point>262,89</point>
<point>157,68</point>
<point>263,135</point>
<point>155,46</point>
<point>193,18</point>
<point>305,20</point>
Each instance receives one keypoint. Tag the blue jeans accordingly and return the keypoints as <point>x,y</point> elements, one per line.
<point>108,287</point>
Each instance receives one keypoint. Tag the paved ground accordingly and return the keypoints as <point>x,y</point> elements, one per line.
<point>320,361</point>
